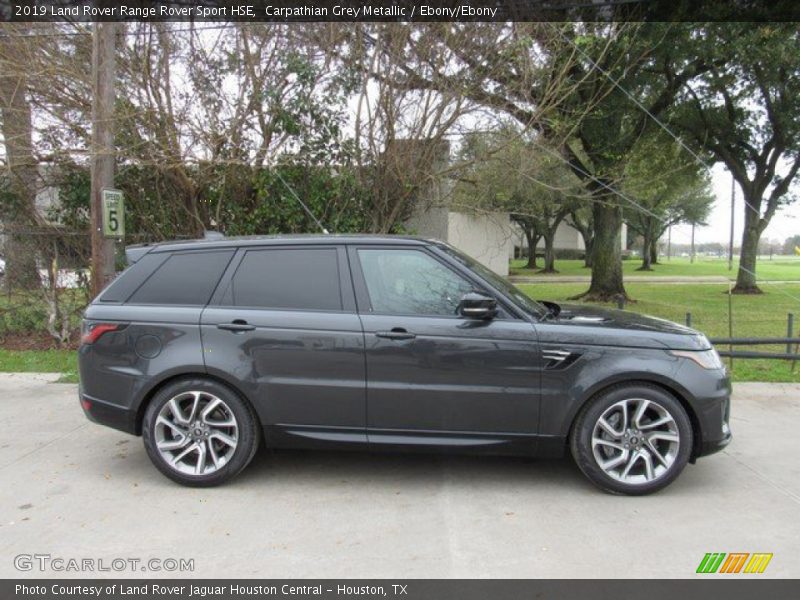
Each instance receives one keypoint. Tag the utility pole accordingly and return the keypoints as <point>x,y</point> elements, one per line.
<point>691,256</point>
<point>733,205</point>
<point>103,50</point>
<point>669,242</point>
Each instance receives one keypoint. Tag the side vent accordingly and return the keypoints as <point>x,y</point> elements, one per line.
<point>558,359</point>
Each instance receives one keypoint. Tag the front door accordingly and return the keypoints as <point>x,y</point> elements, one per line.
<point>434,377</point>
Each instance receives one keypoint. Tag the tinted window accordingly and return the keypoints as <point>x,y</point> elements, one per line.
<point>411,282</point>
<point>187,278</point>
<point>296,278</point>
<point>131,278</point>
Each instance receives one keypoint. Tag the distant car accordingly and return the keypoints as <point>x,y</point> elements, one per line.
<point>207,348</point>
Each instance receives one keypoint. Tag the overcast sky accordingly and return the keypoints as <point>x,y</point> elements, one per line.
<point>786,222</point>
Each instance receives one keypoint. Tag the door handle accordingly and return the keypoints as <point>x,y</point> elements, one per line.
<point>398,333</point>
<point>236,326</point>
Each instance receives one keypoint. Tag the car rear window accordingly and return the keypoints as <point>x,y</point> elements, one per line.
<point>287,278</point>
<point>186,278</point>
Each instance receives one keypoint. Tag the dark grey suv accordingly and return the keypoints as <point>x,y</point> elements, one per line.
<point>208,348</point>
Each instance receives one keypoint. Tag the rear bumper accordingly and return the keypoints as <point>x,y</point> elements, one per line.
<point>111,415</point>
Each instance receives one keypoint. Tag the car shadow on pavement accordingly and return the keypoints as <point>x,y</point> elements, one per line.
<point>386,469</point>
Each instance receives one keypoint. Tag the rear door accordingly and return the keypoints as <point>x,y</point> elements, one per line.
<point>283,325</point>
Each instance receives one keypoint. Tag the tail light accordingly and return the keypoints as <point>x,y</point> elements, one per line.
<point>91,332</point>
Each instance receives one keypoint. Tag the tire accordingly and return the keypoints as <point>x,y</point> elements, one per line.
<point>200,433</point>
<point>645,455</point>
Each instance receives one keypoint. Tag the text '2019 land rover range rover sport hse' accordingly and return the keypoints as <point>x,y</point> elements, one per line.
<point>209,348</point>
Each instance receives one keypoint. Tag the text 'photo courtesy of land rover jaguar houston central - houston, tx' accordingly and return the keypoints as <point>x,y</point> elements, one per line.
<point>208,349</point>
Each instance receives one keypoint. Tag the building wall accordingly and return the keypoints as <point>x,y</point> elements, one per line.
<point>431,222</point>
<point>485,238</point>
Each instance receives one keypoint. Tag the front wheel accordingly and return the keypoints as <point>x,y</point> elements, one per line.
<point>632,439</point>
<point>200,433</point>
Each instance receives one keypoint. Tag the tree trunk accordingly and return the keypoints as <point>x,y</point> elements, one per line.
<point>746,277</point>
<point>20,247</point>
<point>587,257</point>
<point>606,283</point>
<point>532,239</point>
<point>647,253</point>
<point>549,254</point>
<point>654,251</point>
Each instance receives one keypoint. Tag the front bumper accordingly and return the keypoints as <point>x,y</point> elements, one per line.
<point>713,411</point>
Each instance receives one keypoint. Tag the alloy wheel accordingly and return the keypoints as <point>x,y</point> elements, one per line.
<point>196,433</point>
<point>635,441</point>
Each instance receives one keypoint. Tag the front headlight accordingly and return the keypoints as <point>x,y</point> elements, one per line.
<point>708,359</point>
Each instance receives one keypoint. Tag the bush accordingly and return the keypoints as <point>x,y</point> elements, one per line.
<point>569,254</point>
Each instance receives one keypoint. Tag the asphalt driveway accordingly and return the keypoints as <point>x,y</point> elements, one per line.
<point>75,490</point>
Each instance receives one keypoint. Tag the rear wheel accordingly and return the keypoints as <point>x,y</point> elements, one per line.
<point>198,432</point>
<point>632,439</point>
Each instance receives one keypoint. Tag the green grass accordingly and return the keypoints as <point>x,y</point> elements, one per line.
<point>753,316</point>
<point>41,361</point>
<point>780,268</point>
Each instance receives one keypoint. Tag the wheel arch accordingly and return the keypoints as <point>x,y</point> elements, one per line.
<point>173,377</point>
<point>671,387</point>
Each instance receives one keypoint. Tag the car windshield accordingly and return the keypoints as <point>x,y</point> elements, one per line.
<point>518,296</point>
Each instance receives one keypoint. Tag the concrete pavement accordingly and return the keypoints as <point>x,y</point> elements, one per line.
<point>73,489</point>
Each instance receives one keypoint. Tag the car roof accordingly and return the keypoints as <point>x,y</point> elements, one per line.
<point>137,251</point>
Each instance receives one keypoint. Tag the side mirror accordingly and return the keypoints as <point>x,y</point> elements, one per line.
<point>475,305</point>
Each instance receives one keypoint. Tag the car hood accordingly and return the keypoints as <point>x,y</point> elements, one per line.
<point>609,327</point>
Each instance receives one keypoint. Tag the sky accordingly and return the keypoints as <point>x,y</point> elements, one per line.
<point>785,223</point>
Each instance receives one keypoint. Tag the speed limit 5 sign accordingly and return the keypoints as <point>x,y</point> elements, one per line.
<point>113,214</point>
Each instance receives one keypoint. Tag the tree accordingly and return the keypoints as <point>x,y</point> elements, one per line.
<point>668,186</point>
<point>745,111</point>
<point>616,102</point>
<point>580,219</point>
<point>401,142</point>
<point>570,82</point>
<point>18,211</point>
<point>506,171</point>
<point>790,245</point>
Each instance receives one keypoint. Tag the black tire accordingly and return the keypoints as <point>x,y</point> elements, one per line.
<point>588,418</point>
<point>248,431</point>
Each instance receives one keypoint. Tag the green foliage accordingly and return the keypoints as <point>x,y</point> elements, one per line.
<point>667,183</point>
<point>333,197</point>
<point>22,317</point>
<point>236,200</point>
<point>508,172</point>
<point>27,313</point>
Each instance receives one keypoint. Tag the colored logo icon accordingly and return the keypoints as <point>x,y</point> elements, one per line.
<point>734,562</point>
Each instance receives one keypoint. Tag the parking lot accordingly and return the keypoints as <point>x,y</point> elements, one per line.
<point>73,489</point>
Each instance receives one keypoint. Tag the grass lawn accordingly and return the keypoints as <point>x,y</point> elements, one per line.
<point>753,316</point>
<point>41,361</point>
<point>780,268</point>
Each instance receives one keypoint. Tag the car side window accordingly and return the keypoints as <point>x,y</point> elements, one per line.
<point>185,278</point>
<point>287,278</point>
<point>410,282</point>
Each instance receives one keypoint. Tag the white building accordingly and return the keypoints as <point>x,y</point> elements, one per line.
<point>488,238</point>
